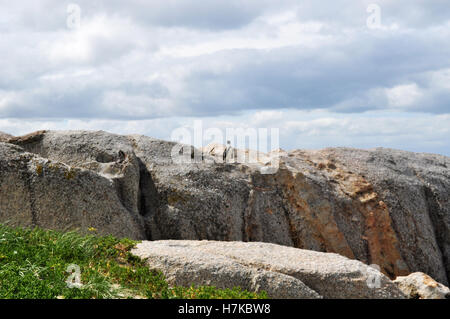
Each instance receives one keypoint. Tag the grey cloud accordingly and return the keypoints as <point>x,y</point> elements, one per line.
<point>405,13</point>
<point>281,78</point>
<point>346,74</point>
<point>48,15</point>
<point>416,14</point>
<point>212,15</point>
<point>306,79</point>
<point>218,15</point>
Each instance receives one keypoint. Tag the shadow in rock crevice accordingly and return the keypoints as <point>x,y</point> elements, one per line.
<point>437,216</point>
<point>148,200</point>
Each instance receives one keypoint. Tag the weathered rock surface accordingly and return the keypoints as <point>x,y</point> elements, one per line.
<point>380,206</point>
<point>283,272</point>
<point>36,191</point>
<point>421,286</point>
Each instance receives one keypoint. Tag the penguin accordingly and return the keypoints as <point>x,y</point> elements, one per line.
<point>226,151</point>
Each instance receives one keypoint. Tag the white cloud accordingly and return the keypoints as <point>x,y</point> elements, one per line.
<point>136,106</point>
<point>440,79</point>
<point>404,95</point>
<point>6,98</point>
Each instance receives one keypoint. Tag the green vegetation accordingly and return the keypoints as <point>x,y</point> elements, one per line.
<point>34,264</point>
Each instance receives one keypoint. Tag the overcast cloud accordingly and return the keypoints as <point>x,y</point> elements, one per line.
<point>316,70</point>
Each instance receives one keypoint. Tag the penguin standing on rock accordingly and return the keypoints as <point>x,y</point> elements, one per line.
<point>227,151</point>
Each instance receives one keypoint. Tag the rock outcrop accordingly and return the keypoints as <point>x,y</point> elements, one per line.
<point>421,286</point>
<point>379,206</point>
<point>4,137</point>
<point>36,191</point>
<point>283,272</point>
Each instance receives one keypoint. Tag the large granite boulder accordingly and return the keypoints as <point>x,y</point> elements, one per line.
<point>36,191</point>
<point>283,272</point>
<point>379,206</point>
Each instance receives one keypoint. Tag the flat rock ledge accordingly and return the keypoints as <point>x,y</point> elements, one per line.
<point>283,272</point>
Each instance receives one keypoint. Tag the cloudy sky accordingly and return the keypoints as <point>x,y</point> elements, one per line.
<point>326,73</point>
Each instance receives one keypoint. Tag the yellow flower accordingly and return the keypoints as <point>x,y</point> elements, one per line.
<point>92,229</point>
